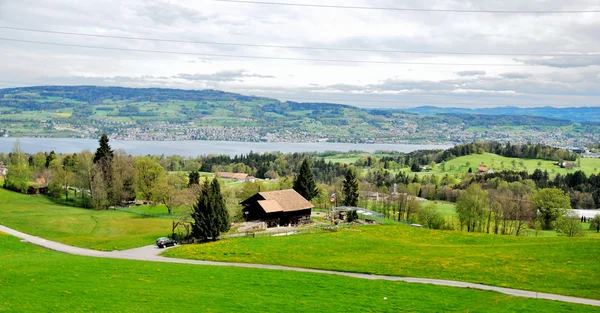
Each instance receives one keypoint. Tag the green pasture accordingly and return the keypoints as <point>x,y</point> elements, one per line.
<point>100,230</point>
<point>445,208</point>
<point>566,266</point>
<point>33,279</point>
<point>499,163</point>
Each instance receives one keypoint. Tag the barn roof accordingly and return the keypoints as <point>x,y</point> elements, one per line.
<point>237,176</point>
<point>288,200</point>
<point>270,206</point>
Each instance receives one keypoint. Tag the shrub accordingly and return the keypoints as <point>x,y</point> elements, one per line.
<point>351,216</point>
<point>595,223</point>
<point>569,226</point>
<point>431,218</point>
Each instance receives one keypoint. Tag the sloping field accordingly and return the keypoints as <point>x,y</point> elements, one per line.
<point>33,279</point>
<point>566,266</point>
<point>100,230</point>
<point>499,163</point>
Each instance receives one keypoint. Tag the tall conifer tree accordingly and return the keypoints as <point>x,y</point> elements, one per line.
<point>305,182</point>
<point>350,189</point>
<point>220,209</point>
<point>209,213</point>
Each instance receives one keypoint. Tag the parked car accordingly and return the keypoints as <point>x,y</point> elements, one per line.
<point>165,242</point>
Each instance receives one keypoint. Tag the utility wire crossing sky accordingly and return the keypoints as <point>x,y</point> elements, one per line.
<point>364,53</point>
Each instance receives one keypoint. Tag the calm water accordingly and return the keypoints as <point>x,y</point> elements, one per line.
<point>195,148</point>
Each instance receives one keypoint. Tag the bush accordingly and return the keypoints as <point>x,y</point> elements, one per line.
<point>595,223</point>
<point>569,226</point>
<point>351,216</point>
<point>431,218</point>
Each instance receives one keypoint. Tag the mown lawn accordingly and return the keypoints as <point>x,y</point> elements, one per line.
<point>101,230</point>
<point>566,266</point>
<point>33,279</point>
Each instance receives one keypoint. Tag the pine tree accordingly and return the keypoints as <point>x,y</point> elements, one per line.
<point>204,226</point>
<point>104,152</point>
<point>350,189</point>
<point>209,213</point>
<point>194,178</point>
<point>103,160</point>
<point>219,207</point>
<point>305,182</point>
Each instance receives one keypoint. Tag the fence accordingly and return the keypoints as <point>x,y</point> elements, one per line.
<point>286,232</point>
<point>132,210</point>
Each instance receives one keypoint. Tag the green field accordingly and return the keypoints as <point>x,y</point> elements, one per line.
<point>101,230</point>
<point>566,266</point>
<point>445,208</point>
<point>33,279</point>
<point>499,163</point>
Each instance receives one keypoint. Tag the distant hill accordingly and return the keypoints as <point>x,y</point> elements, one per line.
<point>580,114</point>
<point>174,114</point>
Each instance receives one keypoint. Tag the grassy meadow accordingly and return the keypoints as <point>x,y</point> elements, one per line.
<point>499,163</point>
<point>566,266</point>
<point>461,165</point>
<point>100,230</point>
<point>33,279</point>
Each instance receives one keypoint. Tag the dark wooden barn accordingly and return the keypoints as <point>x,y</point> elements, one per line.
<point>278,208</point>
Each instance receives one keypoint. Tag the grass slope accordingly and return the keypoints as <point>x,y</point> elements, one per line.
<point>499,163</point>
<point>36,280</point>
<point>101,230</point>
<point>566,266</point>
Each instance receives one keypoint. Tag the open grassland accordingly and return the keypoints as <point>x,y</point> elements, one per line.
<point>566,266</point>
<point>101,230</point>
<point>445,208</point>
<point>33,279</point>
<point>499,163</point>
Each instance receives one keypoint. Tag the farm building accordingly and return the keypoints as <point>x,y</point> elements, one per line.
<point>278,208</point>
<point>40,186</point>
<point>236,176</point>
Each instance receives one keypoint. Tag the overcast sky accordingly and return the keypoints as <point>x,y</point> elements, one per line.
<point>521,80</point>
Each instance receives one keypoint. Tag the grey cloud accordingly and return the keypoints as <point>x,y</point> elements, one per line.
<point>516,75</point>
<point>470,73</point>
<point>564,62</point>
<point>517,83</point>
<point>166,13</point>
<point>223,76</point>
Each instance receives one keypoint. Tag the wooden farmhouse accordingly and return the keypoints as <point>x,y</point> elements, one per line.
<point>236,176</point>
<point>278,208</point>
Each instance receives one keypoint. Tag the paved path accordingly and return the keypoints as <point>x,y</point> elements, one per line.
<point>152,253</point>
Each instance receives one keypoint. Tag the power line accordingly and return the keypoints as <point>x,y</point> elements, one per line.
<point>293,47</point>
<point>328,6</point>
<point>269,57</point>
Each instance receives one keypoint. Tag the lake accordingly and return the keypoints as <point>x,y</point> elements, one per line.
<point>198,147</point>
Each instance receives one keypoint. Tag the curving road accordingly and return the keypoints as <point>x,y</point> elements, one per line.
<point>152,253</point>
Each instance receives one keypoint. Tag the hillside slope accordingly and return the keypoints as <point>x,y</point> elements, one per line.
<point>172,114</point>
